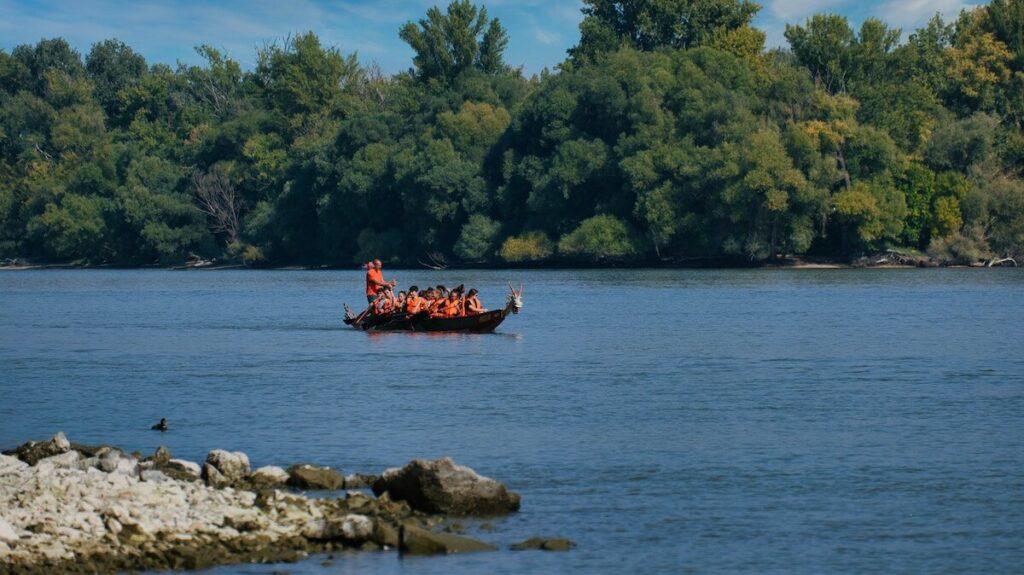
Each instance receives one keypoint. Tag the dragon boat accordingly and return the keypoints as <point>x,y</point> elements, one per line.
<point>485,322</point>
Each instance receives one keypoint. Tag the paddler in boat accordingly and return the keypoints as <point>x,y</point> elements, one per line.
<point>414,304</point>
<point>460,291</point>
<point>436,303</point>
<point>375,280</point>
<point>451,306</point>
<point>473,305</point>
<point>400,301</point>
<point>385,303</point>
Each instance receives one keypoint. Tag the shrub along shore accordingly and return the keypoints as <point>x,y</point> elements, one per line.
<point>72,508</point>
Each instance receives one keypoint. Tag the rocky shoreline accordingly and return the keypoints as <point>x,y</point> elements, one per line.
<point>71,508</point>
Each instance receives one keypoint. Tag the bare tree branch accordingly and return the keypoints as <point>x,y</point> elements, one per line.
<point>218,199</point>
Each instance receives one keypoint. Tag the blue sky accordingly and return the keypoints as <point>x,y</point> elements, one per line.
<point>541,31</point>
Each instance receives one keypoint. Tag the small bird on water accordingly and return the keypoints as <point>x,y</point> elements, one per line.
<point>162,426</point>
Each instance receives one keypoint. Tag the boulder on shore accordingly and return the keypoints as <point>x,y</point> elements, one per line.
<point>31,452</point>
<point>353,528</point>
<point>161,455</point>
<point>214,478</point>
<point>441,486</point>
<point>181,470</point>
<point>268,476</point>
<point>113,460</point>
<point>232,465</point>
<point>304,476</point>
<point>423,542</point>
<point>66,459</point>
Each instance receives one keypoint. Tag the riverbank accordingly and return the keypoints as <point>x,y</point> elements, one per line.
<point>70,508</point>
<point>882,260</point>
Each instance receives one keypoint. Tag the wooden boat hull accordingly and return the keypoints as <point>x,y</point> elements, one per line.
<point>480,323</point>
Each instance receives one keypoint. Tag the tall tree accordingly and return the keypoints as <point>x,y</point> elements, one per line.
<point>113,66</point>
<point>652,24</point>
<point>462,38</point>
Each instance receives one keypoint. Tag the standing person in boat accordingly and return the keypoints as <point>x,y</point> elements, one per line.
<point>473,305</point>
<point>375,281</point>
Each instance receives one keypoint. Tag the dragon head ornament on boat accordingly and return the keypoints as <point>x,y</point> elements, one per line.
<point>515,298</point>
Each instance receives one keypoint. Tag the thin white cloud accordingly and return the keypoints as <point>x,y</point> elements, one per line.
<point>545,36</point>
<point>777,13</point>
<point>238,27</point>
<point>793,11</point>
<point>909,14</point>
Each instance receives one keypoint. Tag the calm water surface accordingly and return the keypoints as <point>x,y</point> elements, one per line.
<point>667,421</point>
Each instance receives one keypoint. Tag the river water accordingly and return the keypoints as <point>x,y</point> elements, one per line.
<point>667,421</point>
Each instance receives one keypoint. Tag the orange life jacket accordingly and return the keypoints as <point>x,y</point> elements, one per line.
<point>413,304</point>
<point>372,277</point>
<point>385,306</point>
<point>450,308</point>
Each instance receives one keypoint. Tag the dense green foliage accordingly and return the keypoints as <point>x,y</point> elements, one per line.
<point>669,132</point>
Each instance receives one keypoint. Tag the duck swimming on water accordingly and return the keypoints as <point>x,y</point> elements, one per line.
<point>162,426</point>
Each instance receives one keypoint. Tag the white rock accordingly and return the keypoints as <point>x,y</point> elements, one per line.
<point>127,466</point>
<point>109,459</point>
<point>316,529</point>
<point>88,463</point>
<point>113,525</point>
<point>55,514</point>
<point>10,464</point>
<point>153,476</point>
<point>66,459</point>
<point>271,475</point>
<point>233,465</point>
<point>61,441</point>
<point>7,533</point>
<point>190,467</point>
<point>356,527</point>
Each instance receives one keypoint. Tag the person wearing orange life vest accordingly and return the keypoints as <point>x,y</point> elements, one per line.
<point>413,302</point>
<point>375,281</point>
<point>436,305</point>
<point>451,306</point>
<point>428,299</point>
<point>385,303</point>
<point>461,292</point>
<point>473,305</point>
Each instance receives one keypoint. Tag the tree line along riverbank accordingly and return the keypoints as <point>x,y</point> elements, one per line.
<point>885,259</point>
<point>669,134</point>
